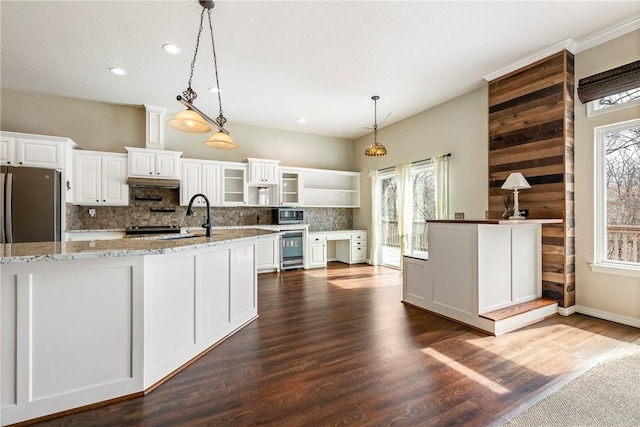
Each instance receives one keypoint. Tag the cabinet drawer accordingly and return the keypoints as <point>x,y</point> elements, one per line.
<point>359,237</point>
<point>358,244</point>
<point>359,254</point>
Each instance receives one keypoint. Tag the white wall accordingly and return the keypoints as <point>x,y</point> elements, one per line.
<point>458,127</point>
<point>609,296</point>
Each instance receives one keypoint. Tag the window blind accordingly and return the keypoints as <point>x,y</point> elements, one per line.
<point>609,82</point>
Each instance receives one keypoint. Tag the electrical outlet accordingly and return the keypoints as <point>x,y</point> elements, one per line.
<point>459,215</point>
<point>92,213</point>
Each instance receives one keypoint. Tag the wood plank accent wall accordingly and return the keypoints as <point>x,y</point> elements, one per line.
<point>531,131</point>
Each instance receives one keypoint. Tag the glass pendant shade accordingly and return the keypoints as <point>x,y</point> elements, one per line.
<point>375,150</point>
<point>189,121</point>
<point>221,141</point>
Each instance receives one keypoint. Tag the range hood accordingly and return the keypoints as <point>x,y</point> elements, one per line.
<point>135,181</point>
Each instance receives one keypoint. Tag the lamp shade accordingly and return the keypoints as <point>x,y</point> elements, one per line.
<point>515,181</point>
<point>221,141</point>
<point>189,121</point>
<point>375,150</point>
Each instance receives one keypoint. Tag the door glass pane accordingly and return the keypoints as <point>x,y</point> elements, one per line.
<point>424,207</point>
<point>389,239</point>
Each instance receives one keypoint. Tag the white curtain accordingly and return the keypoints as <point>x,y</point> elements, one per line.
<point>376,202</point>
<point>405,206</point>
<point>442,184</point>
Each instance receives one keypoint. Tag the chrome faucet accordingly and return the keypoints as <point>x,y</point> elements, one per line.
<point>207,225</point>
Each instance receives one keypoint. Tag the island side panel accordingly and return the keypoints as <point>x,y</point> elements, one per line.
<point>76,341</point>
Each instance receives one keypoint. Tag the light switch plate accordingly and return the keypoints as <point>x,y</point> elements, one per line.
<point>459,215</point>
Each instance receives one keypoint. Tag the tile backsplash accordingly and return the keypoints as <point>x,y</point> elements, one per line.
<point>158,206</point>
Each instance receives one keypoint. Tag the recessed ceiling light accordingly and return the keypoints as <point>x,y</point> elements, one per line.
<point>213,89</point>
<point>301,120</point>
<point>172,49</point>
<point>118,71</point>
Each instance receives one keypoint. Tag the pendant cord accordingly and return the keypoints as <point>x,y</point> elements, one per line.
<point>221,120</point>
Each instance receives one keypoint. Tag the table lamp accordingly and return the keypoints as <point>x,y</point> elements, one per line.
<point>515,182</point>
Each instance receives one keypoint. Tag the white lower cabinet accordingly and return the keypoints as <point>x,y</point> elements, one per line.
<point>316,251</point>
<point>348,246</point>
<point>268,254</point>
<point>78,332</point>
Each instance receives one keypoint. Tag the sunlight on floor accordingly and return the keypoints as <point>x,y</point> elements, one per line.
<point>469,373</point>
<point>509,346</point>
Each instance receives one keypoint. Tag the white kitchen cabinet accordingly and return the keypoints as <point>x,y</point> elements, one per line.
<point>234,184</point>
<point>316,251</point>
<point>148,163</point>
<point>100,179</point>
<point>263,172</point>
<point>290,186</point>
<point>416,283</point>
<point>7,150</point>
<point>268,254</point>
<point>199,176</point>
<point>348,246</point>
<point>358,247</point>
<point>38,151</point>
<point>327,188</point>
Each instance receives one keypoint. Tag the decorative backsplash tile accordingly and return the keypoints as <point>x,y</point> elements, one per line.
<point>159,206</point>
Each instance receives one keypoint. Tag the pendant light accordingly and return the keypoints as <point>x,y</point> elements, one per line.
<point>375,149</point>
<point>192,119</point>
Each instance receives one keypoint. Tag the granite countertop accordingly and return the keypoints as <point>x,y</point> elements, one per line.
<point>49,251</point>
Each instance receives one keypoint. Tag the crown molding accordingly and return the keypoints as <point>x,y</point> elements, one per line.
<point>570,45</point>
<point>608,35</point>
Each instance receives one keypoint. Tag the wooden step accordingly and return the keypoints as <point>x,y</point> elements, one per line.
<point>517,309</point>
<point>520,315</point>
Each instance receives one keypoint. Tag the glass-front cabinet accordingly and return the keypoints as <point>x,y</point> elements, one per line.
<point>234,185</point>
<point>290,185</point>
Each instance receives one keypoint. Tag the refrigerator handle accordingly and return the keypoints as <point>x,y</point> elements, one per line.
<point>8,221</point>
<point>2,198</point>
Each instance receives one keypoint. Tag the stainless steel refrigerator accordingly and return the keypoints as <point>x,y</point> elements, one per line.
<point>30,205</point>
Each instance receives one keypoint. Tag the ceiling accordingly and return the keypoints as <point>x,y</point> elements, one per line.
<point>277,61</point>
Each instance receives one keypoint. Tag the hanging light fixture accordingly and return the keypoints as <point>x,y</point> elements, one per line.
<point>375,149</point>
<point>192,119</point>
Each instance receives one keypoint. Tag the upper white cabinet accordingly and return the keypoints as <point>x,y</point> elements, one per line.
<point>263,171</point>
<point>234,184</point>
<point>100,179</point>
<point>37,151</point>
<point>7,150</point>
<point>328,188</point>
<point>290,186</point>
<point>199,176</point>
<point>144,162</point>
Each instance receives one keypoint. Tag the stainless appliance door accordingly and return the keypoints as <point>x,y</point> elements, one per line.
<point>292,252</point>
<point>35,205</point>
<point>3,208</point>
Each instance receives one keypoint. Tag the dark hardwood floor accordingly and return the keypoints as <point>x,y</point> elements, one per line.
<point>337,347</point>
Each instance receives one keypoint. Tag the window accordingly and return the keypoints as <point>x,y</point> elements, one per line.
<point>618,194</point>
<point>617,101</point>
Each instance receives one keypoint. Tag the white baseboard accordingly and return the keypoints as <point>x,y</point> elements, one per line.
<point>566,311</point>
<point>625,320</point>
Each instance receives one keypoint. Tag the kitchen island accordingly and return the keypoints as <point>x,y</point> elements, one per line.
<point>88,321</point>
<point>475,268</point>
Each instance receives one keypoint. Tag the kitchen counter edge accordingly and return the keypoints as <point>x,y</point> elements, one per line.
<point>52,251</point>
